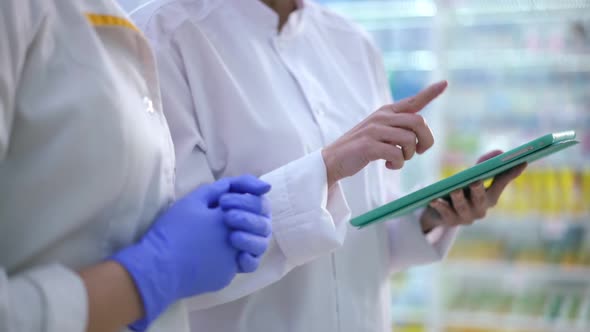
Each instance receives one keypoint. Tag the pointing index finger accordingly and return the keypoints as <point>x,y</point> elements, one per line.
<point>416,103</point>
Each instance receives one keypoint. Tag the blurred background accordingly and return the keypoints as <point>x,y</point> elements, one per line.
<point>517,69</point>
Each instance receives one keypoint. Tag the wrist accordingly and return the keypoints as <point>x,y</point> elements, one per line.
<point>330,163</point>
<point>154,293</point>
<point>426,223</point>
<point>113,298</point>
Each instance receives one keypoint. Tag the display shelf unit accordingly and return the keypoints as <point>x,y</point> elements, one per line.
<point>517,69</point>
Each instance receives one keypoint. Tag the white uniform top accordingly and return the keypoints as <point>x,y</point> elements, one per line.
<point>86,159</point>
<point>241,98</point>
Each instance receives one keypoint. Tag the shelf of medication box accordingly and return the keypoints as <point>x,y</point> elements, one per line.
<point>486,60</point>
<point>409,327</point>
<point>555,305</point>
<point>411,295</point>
<point>372,11</point>
<point>468,321</point>
<point>506,270</point>
<point>498,110</point>
<point>557,193</point>
<point>382,14</point>
<point>409,315</point>
<point>511,249</point>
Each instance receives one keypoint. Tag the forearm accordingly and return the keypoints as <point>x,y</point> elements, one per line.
<point>113,300</point>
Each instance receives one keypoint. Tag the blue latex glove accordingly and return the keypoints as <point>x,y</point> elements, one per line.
<point>251,232</point>
<point>186,251</point>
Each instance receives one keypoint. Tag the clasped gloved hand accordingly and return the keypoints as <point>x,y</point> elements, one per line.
<point>199,244</point>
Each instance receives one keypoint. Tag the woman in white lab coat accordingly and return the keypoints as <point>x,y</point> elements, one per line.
<point>274,88</point>
<point>87,169</point>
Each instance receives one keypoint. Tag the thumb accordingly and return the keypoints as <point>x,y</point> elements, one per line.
<point>489,155</point>
<point>211,193</point>
<point>249,184</point>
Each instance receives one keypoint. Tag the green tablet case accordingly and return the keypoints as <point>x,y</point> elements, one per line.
<point>529,152</point>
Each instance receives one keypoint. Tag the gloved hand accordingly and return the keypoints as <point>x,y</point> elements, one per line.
<point>251,233</point>
<point>186,251</point>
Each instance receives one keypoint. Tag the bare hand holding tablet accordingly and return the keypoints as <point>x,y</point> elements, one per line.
<point>526,153</point>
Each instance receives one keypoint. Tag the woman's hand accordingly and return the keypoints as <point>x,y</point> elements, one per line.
<point>392,133</point>
<point>469,204</point>
<point>199,244</point>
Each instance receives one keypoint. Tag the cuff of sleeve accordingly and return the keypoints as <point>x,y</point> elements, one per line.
<point>409,246</point>
<point>441,238</point>
<point>308,219</point>
<point>55,295</point>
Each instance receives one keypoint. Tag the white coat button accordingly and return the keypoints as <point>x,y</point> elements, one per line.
<point>320,110</point>
<point>280,44</point>
<point>149,105</point>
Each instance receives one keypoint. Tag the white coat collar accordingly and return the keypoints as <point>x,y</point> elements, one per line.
<point>262,16</point>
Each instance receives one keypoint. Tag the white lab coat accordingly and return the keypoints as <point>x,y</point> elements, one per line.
<point>241,98</point>
<point>85,163</point>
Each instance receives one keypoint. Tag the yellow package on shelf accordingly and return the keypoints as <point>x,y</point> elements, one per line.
<point>567,189</point>
<point>408,328</point>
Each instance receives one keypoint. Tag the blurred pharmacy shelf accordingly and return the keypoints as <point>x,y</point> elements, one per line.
<point>531,306</point>
<point>505,59</point>
<point>410,315</point>
<point>376,15</point>
<point>517,272</point>
<point>517,69</point>
<point>508,323</point>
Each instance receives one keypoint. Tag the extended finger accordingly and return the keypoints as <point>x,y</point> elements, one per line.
<point>418,102</point>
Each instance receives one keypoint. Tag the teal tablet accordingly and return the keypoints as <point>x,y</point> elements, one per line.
<point>529,152</point>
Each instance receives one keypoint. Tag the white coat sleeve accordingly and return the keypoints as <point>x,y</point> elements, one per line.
<point>51,298</point>
<point>408,245</point>
<point>308,220</point>
<point>15,37</point>
<point>48,299</point>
